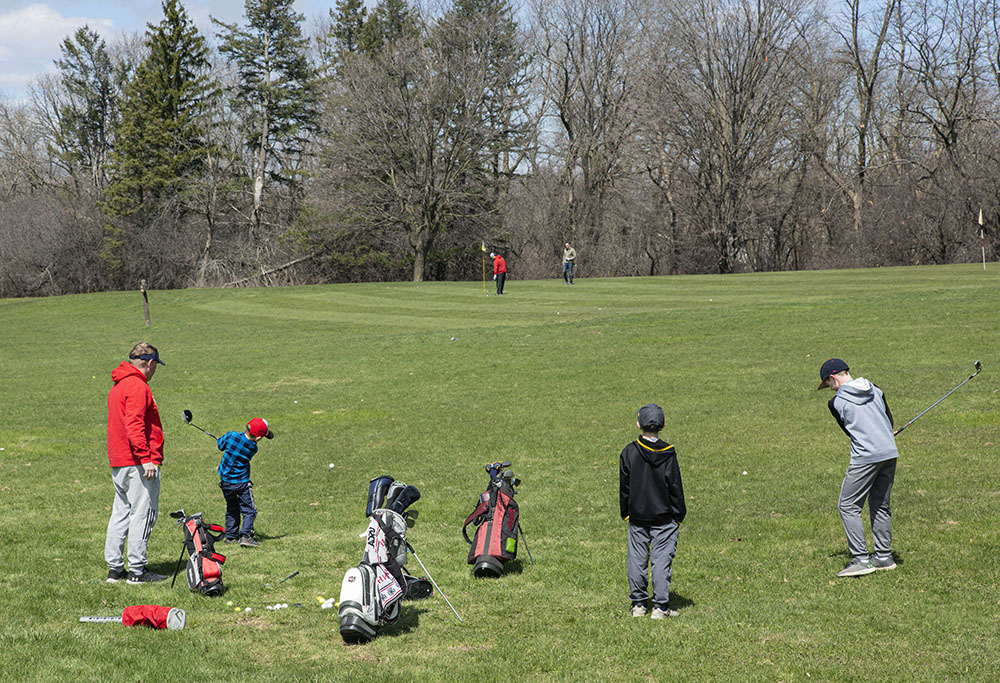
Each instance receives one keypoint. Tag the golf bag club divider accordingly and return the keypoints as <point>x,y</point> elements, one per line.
<point>204,565</point>
<point>497,521</point>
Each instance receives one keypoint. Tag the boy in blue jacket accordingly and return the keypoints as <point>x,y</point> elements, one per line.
<point>234,480</point>
<point>860,409</point>
<point>651,499</point>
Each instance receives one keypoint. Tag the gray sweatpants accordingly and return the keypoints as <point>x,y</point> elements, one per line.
<point>873,482</point>
<point>653,546</point>
<point>137,502</point>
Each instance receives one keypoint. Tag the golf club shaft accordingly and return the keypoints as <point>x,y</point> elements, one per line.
<point>203,430</point>
<point>525,539</point>
<point>978,370</point>
<point>101,620</point>
<point>435,583</point>
<point>288,577</point>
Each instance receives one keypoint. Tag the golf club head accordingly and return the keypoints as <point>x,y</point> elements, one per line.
<point>177,514</point>
<point>979,367</point>
<point>505,464</point>
<point>187,415</point>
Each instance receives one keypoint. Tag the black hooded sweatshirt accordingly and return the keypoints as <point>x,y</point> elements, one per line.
<point>650,489</point>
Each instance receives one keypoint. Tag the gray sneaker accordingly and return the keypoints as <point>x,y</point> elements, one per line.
<point>663,613</point>
<point>856,568</point>
<point>638,611</point>
<point>883,565</point>
<point>249,542</point>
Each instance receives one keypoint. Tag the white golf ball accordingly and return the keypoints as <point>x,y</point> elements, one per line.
<point>294,401</point>
<point>247,610</point>
<point>744,471</point>
<point>284,604</point>
<point>331,465</point>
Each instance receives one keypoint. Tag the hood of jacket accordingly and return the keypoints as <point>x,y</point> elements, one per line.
<point>124,370</point>
<point>858,391</point>
<point>655,452</point>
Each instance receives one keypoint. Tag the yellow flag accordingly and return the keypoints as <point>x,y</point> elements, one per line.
<point>484,246</point>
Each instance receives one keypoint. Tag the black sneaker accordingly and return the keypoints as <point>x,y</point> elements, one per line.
<point>249,542</point>
<point>145,577</point>
<point>116,575</point>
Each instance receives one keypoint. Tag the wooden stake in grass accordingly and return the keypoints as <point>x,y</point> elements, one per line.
<point>145,300</point>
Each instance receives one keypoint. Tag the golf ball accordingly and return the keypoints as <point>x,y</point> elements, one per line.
<point>269,608</point>
<point>236,609</point>
<point>247,610</point>
<point>284,604</point>
<point>229,604</point>
<point>744,471</point>
<point>331,465</point>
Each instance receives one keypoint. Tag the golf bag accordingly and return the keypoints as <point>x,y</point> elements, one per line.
<point>204,565</point>
<point>371,592</point>
<point>496,518</point>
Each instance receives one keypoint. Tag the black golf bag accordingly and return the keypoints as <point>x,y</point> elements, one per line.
<point>204,565</point>
<point>497,521</point>
<point>371,592</point>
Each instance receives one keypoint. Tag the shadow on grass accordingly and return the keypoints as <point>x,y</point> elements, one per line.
<point>409,619</point>
<point>679,602</point>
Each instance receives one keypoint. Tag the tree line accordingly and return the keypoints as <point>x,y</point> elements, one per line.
<point>658,136</point>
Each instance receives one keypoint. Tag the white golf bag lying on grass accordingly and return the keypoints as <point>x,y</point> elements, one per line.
<point>370,593</point>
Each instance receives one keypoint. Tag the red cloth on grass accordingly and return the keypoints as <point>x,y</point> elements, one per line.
<point>146,615</point>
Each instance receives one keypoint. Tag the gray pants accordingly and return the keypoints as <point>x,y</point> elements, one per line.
<point>873,482</point>
<point>137,502</point>
<point>655,546</point>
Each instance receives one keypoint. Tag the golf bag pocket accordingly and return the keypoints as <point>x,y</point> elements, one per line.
<point>204,572</point>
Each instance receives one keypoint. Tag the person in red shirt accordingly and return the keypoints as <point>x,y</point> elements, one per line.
<point>135,453</point>
<point>499,271</point>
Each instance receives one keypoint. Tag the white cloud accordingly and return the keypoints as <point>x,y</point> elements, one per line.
<point>29,41</point>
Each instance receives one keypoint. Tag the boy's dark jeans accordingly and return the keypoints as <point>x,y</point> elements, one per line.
<point>239,501</point>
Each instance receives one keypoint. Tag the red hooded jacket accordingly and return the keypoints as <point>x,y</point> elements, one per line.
<point>135,434</point>
<point>499,265</point>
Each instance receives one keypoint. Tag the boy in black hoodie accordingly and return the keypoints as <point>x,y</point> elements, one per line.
<point>652,502</point>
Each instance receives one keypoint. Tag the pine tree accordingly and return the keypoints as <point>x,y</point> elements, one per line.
<point>277,91</point>
<point>160,144</point>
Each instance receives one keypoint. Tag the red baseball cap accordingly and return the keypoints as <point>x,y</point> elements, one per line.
<point>258,427</point>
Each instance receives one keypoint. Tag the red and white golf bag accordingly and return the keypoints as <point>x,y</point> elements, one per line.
<point>497,521</point>
<point>371,592</point>
<point>204,565</point>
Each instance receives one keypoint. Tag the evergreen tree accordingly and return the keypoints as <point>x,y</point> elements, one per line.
<point>86,119</point>
<point>344,36</point>
<point>160,144</point>
<point>390,22</point>
<point>277,90</point>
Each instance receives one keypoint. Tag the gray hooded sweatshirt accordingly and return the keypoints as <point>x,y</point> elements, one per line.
<point>862,412</point>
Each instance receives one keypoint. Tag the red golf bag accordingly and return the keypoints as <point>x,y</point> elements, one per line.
<point>204,565</point>
<point>496,517</point>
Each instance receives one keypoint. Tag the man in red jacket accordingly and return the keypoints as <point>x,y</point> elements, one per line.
<point>135,452</point>
<point>499,271</point>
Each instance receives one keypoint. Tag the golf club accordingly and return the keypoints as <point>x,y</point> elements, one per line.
<point>410,548</point>
<point>979,368</point>
<point>187,415</point>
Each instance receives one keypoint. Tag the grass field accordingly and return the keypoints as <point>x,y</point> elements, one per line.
<point>429,382</point>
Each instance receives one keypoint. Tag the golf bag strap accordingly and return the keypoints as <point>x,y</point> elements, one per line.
<point>481,509</point>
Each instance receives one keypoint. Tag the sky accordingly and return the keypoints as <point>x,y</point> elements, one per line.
<point>31,31</point>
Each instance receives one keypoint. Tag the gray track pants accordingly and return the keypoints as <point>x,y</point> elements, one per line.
<point>873,482</point>
<point>655,546</point>
<point>137,502</point>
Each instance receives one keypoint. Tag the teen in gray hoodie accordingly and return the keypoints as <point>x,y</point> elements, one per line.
<point>861,411</point>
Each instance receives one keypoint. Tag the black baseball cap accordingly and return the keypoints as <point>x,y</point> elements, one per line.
<point>830,367</point>
<point>650,417</point>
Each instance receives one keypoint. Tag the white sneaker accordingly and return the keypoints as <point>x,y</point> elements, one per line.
<point>638,611</point>
<point>663,613</point>
<point>856,568</point>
